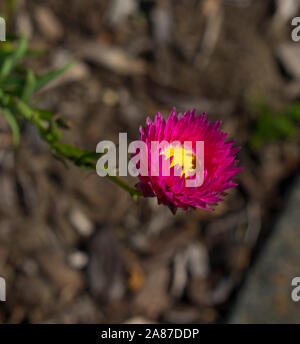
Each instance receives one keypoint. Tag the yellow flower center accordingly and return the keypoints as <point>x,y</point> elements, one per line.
<point>182,157</point>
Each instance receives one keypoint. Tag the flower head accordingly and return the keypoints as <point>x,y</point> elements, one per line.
<point>217,161</point>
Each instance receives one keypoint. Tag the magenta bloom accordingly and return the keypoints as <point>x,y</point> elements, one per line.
<point>219,161</point>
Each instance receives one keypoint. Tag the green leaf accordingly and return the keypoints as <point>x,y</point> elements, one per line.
<point>11,82</point>
<point>22,108</point>
<point>13,124</point>
<point>29,85</point>
<point>36,52</point>
<point>293,111</point>
<point>68,150</point>
<point>10,62</point>
<point>50,116</point>
<point>45,79</point>
<point>284,126</point>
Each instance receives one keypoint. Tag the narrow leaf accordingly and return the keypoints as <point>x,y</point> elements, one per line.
<point>29,85</point>
<point>45,79</point>
<point>13,124</point>
<point>10,62</point>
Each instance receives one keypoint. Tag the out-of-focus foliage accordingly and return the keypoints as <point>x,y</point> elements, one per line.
<point>274,126</point>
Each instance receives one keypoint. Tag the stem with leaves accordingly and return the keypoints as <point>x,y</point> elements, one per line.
<point>17,85</point>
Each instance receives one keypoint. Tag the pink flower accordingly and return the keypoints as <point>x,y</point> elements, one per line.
<point>219,161</point>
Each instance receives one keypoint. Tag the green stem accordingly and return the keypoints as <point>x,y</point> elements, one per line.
<point>120,182</point>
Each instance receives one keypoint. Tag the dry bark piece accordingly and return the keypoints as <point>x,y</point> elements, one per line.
<point>106,273</point>
<point>78,260</point>
<point>188,314</point>
<point>289,55</point>
<point>48,23</point>
<point>120,10</point>
<point>162,21</point>
<point>112,57</point>
<point>285,10</point>
<point>153,298</point>
<point>24,24</point>
<point>83,311</point>
<point>191,261</point>
<point>81,222</point>
<point>68,280</point>
<point>139,321</point>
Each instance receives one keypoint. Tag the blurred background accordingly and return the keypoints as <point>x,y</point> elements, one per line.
<point>75,248</point>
